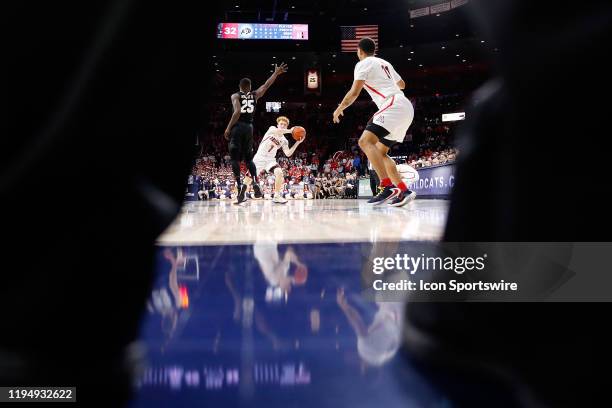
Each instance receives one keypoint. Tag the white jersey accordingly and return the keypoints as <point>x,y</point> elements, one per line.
<point>380,79</point>
<point>269,145</point>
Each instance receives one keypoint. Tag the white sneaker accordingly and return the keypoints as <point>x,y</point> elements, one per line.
<point>279,200</point>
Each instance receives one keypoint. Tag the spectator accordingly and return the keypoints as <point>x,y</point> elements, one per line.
<point>357,164</point>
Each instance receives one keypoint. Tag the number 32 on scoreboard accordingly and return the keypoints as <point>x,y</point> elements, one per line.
<point>229,30</point>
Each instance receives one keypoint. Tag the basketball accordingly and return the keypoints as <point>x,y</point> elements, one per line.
<point>298,133</point>
<point>300,275</point>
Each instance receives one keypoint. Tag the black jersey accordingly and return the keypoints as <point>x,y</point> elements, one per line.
<point>247,107</point>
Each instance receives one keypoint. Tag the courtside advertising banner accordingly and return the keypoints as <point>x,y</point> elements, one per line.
<point>435,181</point>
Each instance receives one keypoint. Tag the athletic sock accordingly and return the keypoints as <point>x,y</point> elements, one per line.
<point>386,182</point>
<point>402,186</point>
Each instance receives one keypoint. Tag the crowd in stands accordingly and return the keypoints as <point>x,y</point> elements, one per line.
<point>432,158</point>
<point>304,176</point>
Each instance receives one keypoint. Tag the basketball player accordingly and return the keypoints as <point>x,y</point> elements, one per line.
<point>165,299</point>
<point>275,269</point>
<point>387,127</point>
<point>239,131</point>
<point>265,158</point>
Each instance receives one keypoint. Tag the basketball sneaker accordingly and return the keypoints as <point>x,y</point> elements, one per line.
<point>279,200</point>
<point>384,194</point>
<point>402,199</point>
<point>241,195</point>
<point>258,194</point>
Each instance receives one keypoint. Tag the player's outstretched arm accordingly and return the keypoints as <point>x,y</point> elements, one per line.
<point>173,283</point>
<point>235,115</point>
<point>289,152</point>
<point>278,70</point>
<point>351,314</point>
<point>349,99</point>
<point>291,256</point>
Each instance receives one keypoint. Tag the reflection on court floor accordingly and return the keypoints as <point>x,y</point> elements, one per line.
<point>264,304</point>
<point>277,323</point>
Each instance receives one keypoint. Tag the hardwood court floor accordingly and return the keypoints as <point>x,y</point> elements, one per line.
<point>305,221</point>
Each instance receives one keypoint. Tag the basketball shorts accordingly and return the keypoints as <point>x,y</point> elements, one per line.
<point>392,121</point>
<point>262,163</point>
<point>241,142</point>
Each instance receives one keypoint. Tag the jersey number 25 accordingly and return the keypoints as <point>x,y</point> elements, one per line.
<point>247,106</point>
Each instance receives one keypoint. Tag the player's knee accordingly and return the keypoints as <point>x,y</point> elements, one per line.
<point>364,142</point>
<point>361,142</point>
<point>235,154</point>
<point>278,172</point>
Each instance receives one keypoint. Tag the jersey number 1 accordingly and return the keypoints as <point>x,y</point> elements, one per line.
<point>247,106</point>
<point>387,71</point>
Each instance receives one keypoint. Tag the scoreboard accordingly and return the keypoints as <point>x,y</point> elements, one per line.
<point>248,31</point>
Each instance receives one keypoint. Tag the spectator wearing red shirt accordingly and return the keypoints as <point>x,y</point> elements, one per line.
<point>348,167</point>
